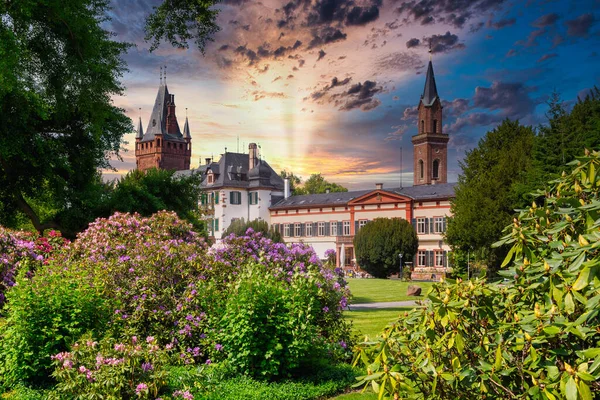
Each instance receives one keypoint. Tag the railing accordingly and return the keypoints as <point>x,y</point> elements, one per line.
<point>344,239</point>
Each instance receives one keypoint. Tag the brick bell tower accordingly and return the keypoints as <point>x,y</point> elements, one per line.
<point>163,145</point>
<point>430,145</point>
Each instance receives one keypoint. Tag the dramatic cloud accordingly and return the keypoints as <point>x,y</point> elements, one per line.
<point>398,132</point>
<point>411,114</point>
<point>455,108</point>
<point>359,95</point>
<point>453,12</point>
<point>414,42</point>
<point>340,11</point>
<point>511,99</point>
<point>545,20</point>
<point>400,61</point>
<point>443,43</point>
<point>335,82</point>
<point>325,36</point>
<point>580,26</point>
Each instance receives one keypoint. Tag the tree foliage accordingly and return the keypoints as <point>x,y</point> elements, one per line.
<point>489,189</point>
<point>153,190</point>
<point>379,243</point>
<point>295,182</point>
<point>535,337</point>
<point>317,184</point>
<point>59,69</point>
<point>240,227</point>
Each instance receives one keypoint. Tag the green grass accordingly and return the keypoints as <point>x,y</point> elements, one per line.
<point>357,396</point>
<point>381,290</point>
<point>371,322</point>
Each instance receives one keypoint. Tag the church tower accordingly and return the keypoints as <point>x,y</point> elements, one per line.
<point>430,145</point>
<point>163,145</point>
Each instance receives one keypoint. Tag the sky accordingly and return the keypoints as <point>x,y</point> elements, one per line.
<point>332,86</point>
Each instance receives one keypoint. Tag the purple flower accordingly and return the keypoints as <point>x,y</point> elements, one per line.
<point>326,309</point>
<point>141,388</point>
<point>218,347</point>
<point>147,367</point>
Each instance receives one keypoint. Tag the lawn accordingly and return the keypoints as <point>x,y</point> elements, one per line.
<point>371,322</point>
<point>381,290</point>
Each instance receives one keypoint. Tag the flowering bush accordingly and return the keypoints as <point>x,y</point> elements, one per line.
<point>112,370</point>
<point>23,250</point>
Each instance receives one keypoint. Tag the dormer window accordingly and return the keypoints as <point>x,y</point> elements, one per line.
<point>210,178</point>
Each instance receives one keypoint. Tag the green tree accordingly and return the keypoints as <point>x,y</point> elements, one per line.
<point>317,184</point>
<point>153,190</point>
<point>295,182</point>
<point>59,69</point>
<point>490,188</point>
<point>379,243</point>
<point>240,226</point>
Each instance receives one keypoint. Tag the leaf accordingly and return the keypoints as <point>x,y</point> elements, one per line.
<point>583,279</point>
<point>498,363</point>
<point>552,330</point>
<point>460,344</point>
<point>584,391</point>
<point>569,304</point>
<point>508,257</point>
<point>571,389</point>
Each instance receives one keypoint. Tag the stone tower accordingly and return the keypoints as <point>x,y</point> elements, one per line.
<point>163,145</point>
<point>430,144</point>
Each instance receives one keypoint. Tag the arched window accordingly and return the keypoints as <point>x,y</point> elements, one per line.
<point>421,172</point>
<point>435,126</point>
<point>422,126</point>
<point>436,169</point>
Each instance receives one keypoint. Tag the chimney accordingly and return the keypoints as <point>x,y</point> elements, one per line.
<point>379,186</point>
<point>207,160</point>
<point>286,188</point>
<point>327,190</point>
<point>252,155</point>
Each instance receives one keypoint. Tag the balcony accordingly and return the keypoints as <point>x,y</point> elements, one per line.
<point>339,240</point>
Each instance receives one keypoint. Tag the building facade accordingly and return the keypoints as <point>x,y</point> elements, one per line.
<point>331,220</point>
<point>163,145</point>
<point>238,186</point>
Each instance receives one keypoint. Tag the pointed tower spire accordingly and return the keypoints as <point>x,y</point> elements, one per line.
<point>186,128</point>
<point>430,92</point>
<point>140,130</point>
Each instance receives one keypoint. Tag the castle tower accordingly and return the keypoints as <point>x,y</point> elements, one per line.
<point>163,145</point>
<point>430,144</point>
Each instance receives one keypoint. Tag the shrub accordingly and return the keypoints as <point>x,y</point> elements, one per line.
<point>111,370</point>
<point>44,315</point>
<point>535,336</point>
<point>239,227</point>
<point>379,243</point>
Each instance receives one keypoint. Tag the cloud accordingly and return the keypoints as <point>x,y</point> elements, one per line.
<point>362,15</point>
<point>456,107</point>
<point>359,95</point>
<point>580,26</point>
<point>512,99</point>
<point>398,133</point>
<point>399,61</point>
<point>410,114</point>
<point>414,42</point>
<point>325,36</point>
<point>453,12</point>
<point>502,23</point>
<point>545,20</point>
<point>335,82</point>
<point>325,12</point>
<point>546,57</point>
<point>473,119</point>
<point>262,94</point>
<point>321,54</point>
<point>443,43</point>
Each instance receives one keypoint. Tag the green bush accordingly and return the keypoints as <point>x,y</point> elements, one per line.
<point>379,243</point>
<point>240,227</point>
<point>44,315</point>
<point>534,336</point>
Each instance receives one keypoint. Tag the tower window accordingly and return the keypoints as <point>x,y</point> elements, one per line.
<point>435,126</point>
<point>436,169</point>
<point>421,169</point>
<point>422,126</point>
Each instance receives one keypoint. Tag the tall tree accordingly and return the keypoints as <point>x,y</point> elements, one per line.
<point>490,187</point>
<point>317,184</point>
<point>295,182</point>
<point>59,69</point>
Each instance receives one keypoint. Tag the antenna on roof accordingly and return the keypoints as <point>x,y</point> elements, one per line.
<point>186,112</point>
<point>140,109</point>
<point>225,149</point>
<point>430,52</point>
<point>161,75</point>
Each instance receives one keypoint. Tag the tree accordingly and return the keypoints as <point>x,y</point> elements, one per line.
<point>379,243</point>
<point>490,188</point>
<point>153,190</point>
<point>239,227</point>
<point>295,182</point>
<point>317,184</point>
<point>59,70</point>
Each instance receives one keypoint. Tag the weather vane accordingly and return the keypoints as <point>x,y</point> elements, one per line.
<point>429,51</point>
<point>165,74</point>
<point>160,75</point>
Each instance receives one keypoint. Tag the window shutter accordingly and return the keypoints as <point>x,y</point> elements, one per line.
<point>355,227</point>
<point>230,197</point>
<point>340,231</point>
<point>302,229</point>
<point>255,197</point>
<point>216,197</point>
<point>430,258</point>
<point>327,231</point>
<point>315,229</point>
<point>431,221</point>
<point>414,224</point>
<point>216,224</point>
<point>444,259</point>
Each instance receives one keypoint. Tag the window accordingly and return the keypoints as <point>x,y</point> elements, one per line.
<point>362,223</point>
<point>297,230</point>
<point>421,169</point>
<point>253,197</point>
<point>421,227</point>
<point>203,198</point>
<point>308,229</point>
<point>422,126</point>
<point>346,228</point>
<point>439,258</point>
<point>435,126</point>
<point>321,229</point>
<point>436,169</point>
<point>235,197</point>
<point>334,228</point>
<point>286,230</point>
<point>211,177</point>
<point>438,224</point>
<point>422,258</point>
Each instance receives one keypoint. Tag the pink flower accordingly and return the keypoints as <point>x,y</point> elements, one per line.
<point>141,389</point>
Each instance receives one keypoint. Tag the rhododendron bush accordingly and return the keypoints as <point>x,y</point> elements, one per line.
<point>157,278</point>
